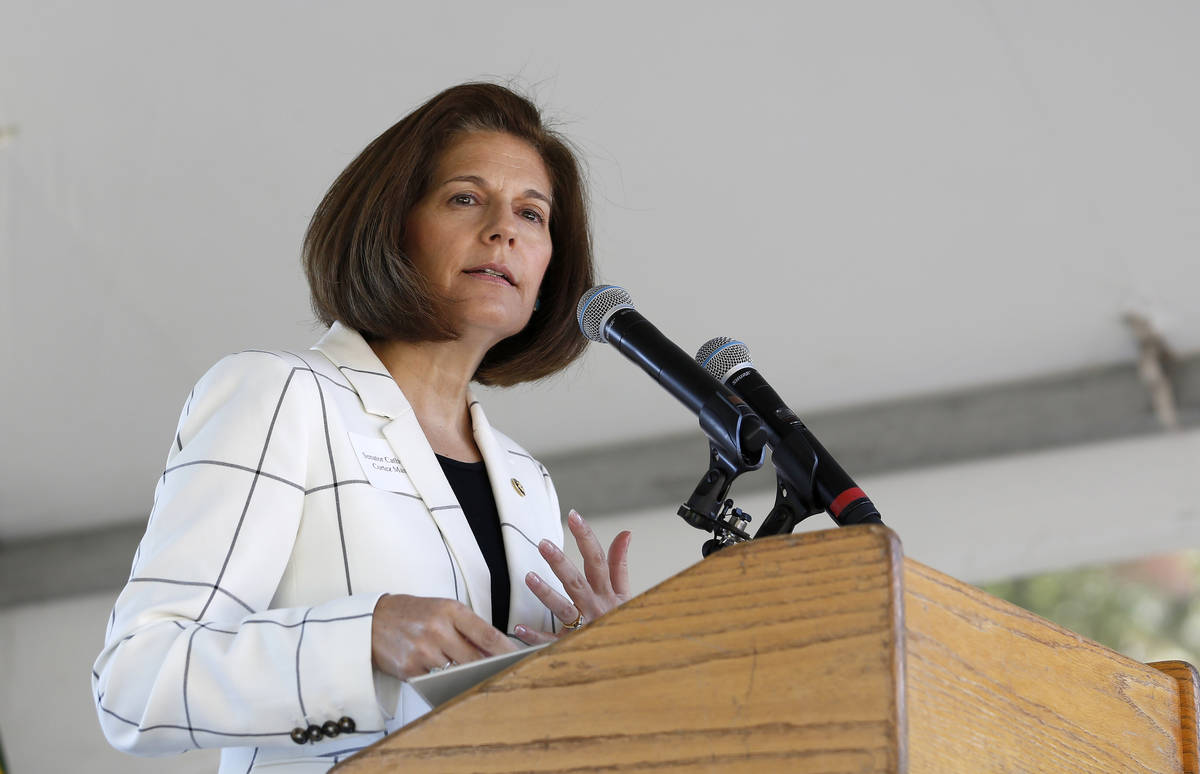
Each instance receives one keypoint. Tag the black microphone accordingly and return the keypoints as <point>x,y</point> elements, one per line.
<point>799,456</point>
<point>606,314</point>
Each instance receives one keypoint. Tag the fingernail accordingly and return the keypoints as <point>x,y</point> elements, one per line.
<point>574,517</point>
<point>532,577</point>
<point>548,548</point>
<point>520,629</point>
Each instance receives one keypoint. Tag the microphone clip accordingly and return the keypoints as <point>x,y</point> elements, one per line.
<point>791,508</point>
<point>709,509</point>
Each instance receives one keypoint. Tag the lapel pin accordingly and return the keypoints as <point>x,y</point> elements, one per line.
<point>517,486</point>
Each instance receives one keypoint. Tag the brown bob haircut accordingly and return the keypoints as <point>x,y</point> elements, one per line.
<point>359,274</point>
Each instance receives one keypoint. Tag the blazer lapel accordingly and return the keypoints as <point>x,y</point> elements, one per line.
<point>518,528</point>
<point>354,358</point>
<point>406,438</point>
<point>380,395</point>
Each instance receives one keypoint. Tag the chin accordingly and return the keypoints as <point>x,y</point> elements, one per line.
<point>499,327</point>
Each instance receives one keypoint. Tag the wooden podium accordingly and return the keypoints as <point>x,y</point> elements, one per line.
<point>821,652</point>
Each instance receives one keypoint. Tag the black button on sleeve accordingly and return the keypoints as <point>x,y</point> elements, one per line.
<point>299,735</point>
<point>347,725</point>
<point>314,733</point>
<point>331,728</point>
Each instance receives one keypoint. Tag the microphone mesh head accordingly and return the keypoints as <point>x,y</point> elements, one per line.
<point>723,356</point>
<point>597,305</point>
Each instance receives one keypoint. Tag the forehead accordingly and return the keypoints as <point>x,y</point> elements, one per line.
<point>500,159</point>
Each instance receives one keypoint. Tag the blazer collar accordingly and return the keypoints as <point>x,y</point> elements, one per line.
<point>354,358</point>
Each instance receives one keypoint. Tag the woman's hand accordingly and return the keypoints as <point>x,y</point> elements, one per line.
<point>603,584</point>
<point>412,635</point>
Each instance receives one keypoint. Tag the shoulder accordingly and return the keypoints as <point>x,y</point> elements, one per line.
<point>262,370</point>
<point>251,372</point>
<point>253,383</point>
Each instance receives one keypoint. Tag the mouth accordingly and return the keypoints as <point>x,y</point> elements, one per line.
<point>489,271</point>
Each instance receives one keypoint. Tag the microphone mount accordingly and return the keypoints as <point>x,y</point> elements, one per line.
<point>736,445</point>
<point>709,509</point>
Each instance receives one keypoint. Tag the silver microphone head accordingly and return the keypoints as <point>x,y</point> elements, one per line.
<point>597,305</point>
<point>723,357</point>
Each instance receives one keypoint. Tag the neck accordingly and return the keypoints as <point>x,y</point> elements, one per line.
<point>434,377</point>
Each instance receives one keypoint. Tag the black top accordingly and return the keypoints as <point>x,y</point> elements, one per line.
<point>471,486</point>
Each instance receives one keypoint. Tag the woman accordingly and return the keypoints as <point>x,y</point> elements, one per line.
<point>332,523</point>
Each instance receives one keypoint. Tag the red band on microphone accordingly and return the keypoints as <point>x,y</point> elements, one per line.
<point>845,498</point>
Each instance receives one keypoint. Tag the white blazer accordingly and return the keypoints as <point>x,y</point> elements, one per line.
<point>298,490</point>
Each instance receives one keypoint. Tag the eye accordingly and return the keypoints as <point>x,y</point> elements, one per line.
<point>464,198</point>
<point>533,216</point>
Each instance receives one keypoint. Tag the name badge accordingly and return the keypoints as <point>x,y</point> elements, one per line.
<point>380,464</point>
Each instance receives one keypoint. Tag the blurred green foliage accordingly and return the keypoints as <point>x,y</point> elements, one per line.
<point>1148,610</point>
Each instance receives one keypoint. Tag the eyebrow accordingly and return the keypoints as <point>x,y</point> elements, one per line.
<point>530,193</point>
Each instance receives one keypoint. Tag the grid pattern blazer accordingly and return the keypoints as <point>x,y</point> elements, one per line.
<point>298,490</point>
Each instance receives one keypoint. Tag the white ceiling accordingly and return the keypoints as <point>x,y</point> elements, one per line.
<point>882,199</point>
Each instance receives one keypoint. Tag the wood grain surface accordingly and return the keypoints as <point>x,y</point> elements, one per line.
<point>823,653</point>
<point>764,657</point>
<point>994,688</point>
<point>1189,710</point>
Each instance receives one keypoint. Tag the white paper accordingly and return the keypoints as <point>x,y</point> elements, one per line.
<point>440,687</point>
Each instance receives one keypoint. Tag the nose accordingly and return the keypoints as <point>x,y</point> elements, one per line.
<point>499,228</point>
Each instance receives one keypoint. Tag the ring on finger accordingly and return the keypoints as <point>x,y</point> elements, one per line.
<point>576,624</point>
<point>445,666</point>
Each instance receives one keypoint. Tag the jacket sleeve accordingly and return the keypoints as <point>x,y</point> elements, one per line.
<point>194,655</point>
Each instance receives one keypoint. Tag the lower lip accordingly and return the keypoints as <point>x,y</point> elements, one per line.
<point>490,278</point>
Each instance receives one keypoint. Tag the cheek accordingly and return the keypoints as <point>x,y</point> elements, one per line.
<point>427,252</point>
<point>542,263</point>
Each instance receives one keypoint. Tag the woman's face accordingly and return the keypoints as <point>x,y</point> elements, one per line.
<point>481,234</point>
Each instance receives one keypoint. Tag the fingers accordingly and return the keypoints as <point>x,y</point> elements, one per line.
<point>482,635</point>
<point>533,636</point>
<point>618,564</point>
<point>604,582</point>
<point>454,647</point>
<point>594,566</point>
<point>563,609</point>
<point>573,581</point>
<point>411,635</point>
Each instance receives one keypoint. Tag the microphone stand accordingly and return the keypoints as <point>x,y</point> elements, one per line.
<point>795,461</point>
<point>708,508</point>
<point>736,445</point>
